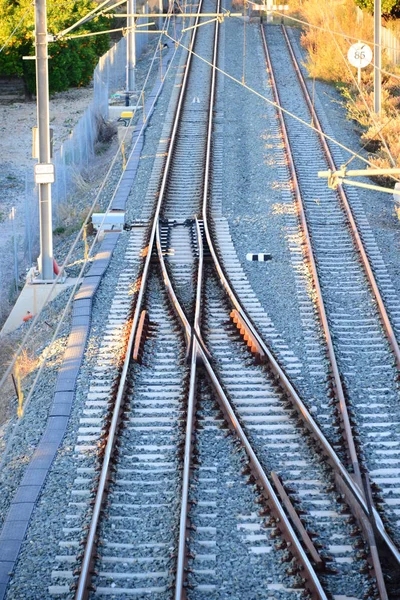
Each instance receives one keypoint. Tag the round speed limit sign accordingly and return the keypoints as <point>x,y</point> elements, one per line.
<point>359,55</point>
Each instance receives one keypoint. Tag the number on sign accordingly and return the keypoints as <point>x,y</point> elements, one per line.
<point>359,55</point>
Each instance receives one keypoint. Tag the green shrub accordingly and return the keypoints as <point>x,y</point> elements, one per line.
<point>326,60</point>
<point>389,7</point>
<point>59,230</point>
<point>72,61</point>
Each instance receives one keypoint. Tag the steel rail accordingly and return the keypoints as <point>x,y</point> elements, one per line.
<point>282,522</point>
<point>181,562</point>
<point>312,582</point>
<point>197,349</point>
<point>337,382</point>
<point>349,212</point>
<point>346,483</point>
<point>194,343</point>
<point>338,387</point>
<point>308,573</point>
<point>82,591</point>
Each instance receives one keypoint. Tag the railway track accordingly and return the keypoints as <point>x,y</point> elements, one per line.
<point>361,341</point>
<point>261,412</point>
<point>163,503</point>
<point>138,532</point>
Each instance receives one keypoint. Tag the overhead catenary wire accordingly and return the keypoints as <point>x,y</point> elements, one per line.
<point>363,98</point>
<point>178,43</point>
<point>16,28</point>
<point>275,104</point>
<point>368,141</point>
<point>369,110</point>
<point>123,29</point>
<point>340,34</point>
<point>29,332</point>
<point>379,130</point>
<point>324,29</point>
<point>247,87</point>
<point>96,12</point>
<point>218,17</point>
<point>200,24</point>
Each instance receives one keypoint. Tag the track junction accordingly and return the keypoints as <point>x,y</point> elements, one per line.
<point>189,401</point>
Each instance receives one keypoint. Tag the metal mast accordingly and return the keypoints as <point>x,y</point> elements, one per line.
<point>44,170</point>
<point>377,55</point>
<point>130,49</point>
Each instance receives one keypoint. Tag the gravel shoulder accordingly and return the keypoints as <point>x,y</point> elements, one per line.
<point>253,203</point>
<point>378,206</point>
<point>255,193</point>
<point>41,546</point>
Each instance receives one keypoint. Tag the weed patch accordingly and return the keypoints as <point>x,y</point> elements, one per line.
<point>335,27</point>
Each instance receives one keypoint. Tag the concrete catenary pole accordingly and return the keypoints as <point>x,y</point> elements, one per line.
<point>44,170</point>
<point>377,56</point>
<point>130,50</point>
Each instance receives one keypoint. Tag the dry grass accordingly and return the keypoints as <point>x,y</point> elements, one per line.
<point>7,396</point>
<point>325,49</point>
<point>326,60</point>
<point>12,389</point>
<point>36,349</point>
<point>381,134</point>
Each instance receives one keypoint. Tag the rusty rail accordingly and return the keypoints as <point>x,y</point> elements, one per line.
<point>338,388</point>
<point>296,520</point>
<point>198,351</point>
<point>194,344</point>
<point>181,562</point>
<point>312,583</point>
<point>349,213</point>
<point>337,382</point>
<point>87,568</point>
<point>140,337</point>
<point>355,494</point>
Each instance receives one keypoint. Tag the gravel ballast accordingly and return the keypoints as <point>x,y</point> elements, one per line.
<point>252,194</point>
<point>33,572</point>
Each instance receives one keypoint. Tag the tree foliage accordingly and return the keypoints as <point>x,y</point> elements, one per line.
<point>390,8</point>
<point>72,61</point>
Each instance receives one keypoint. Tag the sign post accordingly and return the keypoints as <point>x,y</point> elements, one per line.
<point>359,56</point>
<point>377,56</point>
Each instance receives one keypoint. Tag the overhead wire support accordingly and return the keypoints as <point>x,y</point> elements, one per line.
<point>123,29</point>
<point>96,12</point>
<point>335,178</point>
<point>185,15</point>
<point>44,169</point>
<point>130,51</point>
<point>377,57</point>
<point>199,25</point>
<point>220,16</point>
<point>217,17</point>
